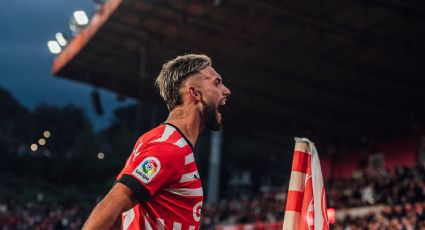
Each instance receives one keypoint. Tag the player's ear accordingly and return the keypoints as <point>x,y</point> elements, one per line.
<point>194,94</point>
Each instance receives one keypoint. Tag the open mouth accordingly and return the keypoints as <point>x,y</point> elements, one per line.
<point>220,106</point>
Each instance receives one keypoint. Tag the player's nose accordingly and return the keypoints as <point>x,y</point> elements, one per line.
<point>226,91</point>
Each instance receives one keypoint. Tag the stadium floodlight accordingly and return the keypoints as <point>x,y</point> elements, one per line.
<point>78,21</point>
<point>100,156</point>
<point>60,38</point>
<point>41,141</point>
<point>46,134</point>
<point>34,147</point>
<point>81,18</point>
<point>54,47</point>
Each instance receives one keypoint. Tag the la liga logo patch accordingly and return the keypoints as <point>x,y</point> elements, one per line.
<point>150,166</point>
<point>147,169</point>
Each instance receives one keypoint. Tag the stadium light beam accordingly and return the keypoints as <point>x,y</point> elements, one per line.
<point>61,39</point>
<point>54,47</point>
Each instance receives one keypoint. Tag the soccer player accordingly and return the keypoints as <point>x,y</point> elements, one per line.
<point>159,186</point>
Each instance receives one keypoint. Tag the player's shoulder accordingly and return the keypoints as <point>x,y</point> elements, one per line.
<point>163,153</point>
<point>167,138</point>
<point>163,148</point>
<point>153,134</point>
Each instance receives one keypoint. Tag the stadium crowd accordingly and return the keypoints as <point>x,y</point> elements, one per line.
<point>40,216</point>
<point>403,185</point>
<point>265,208</point>
<point>403,190</point>
<point>404,217</point>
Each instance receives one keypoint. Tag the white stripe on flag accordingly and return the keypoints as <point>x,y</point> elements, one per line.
<point>297,181</point>
<point>291,220</point>
<point>318,189</point>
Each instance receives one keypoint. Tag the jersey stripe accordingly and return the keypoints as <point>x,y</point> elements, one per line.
<point>147,225</point>
<point>128,218</point>
<point>190,168</point>
<point>186,191</point>
<point>177,226</point>
<point>166,134</point>
<point>136,150</point>
<point>189,159</point>
<point>181,142</point>
<point>160,224</point>
<point>189,176</point>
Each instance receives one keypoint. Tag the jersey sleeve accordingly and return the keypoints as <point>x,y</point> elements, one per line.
<point>151,168</point>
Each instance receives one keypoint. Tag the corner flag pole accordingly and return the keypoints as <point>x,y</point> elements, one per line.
<point>306,202</point>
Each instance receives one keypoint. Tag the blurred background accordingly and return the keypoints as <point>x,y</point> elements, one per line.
<point>76,91</point>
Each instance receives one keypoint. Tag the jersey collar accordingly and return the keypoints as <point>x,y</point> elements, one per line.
<point>181,133</point>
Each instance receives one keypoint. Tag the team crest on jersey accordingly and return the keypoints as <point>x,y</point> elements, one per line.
<point>197,211</point>
<point>147,169</point>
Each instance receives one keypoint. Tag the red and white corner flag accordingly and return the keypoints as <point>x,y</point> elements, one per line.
<point>306,201</point>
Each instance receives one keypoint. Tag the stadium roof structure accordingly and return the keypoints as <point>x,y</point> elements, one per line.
<point>341,72</point>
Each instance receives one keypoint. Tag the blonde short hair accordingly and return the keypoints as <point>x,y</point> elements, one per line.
<point>174,72</point>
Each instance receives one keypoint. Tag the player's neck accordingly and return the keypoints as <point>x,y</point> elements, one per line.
<point>188,120</point>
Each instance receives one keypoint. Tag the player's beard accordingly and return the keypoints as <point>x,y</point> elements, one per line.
<point>210,116</point>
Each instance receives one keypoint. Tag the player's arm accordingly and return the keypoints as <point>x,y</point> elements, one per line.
<point>120,199</point>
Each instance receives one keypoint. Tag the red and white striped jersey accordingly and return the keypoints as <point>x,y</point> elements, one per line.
<point>163,163</point>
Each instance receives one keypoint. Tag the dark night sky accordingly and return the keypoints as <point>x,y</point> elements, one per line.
<point>25,61</point>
